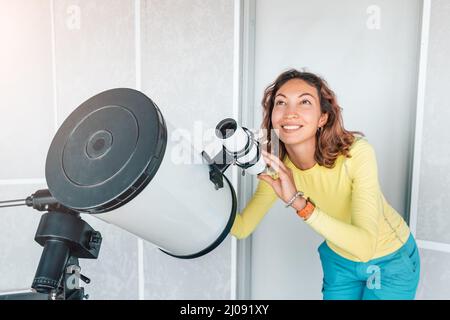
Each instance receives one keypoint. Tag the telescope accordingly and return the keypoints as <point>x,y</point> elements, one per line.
<point>113,158</point>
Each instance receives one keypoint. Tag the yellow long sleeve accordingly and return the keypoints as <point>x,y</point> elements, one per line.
<point>359,237</point>
<point>351,212</point>
<point>246,222</point>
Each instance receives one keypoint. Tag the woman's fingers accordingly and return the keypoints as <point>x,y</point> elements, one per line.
<point>274,162</point>
<point>274,183</point>
<point>266,177</point>
<point>275,159</point>
<point>284,187</point>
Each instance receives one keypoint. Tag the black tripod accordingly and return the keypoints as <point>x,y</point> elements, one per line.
<point>65,238</point>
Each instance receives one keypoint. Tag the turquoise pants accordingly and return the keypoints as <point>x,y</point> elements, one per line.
<point>392,277</point>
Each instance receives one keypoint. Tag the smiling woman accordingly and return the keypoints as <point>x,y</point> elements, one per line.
<point>304,99</point>
<point>329,176</point>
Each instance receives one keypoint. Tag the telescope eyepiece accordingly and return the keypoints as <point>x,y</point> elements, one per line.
<point>240,144</point>
<point>226,128</point>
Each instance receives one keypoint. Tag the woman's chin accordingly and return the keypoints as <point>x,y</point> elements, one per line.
<point>292,140</point>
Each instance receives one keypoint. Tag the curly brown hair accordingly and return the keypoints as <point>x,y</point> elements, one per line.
<point>332,140</point>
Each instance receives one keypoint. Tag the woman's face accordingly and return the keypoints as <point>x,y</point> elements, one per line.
<point>296,112</point>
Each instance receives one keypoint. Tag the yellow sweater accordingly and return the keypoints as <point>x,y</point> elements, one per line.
<point>351,212</point>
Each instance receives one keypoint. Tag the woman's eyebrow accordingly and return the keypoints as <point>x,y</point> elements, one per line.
<point>303,94</point>
<point>307,94</point>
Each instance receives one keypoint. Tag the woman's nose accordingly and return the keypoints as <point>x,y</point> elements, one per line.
<point>291,116</point>
<point>291,111</point>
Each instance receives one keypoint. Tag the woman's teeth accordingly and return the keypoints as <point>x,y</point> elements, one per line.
<point>291,128</point>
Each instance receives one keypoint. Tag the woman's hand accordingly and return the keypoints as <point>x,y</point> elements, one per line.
<point>284,186</point>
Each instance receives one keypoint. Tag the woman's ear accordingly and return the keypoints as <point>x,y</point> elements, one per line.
<point>323,119</point>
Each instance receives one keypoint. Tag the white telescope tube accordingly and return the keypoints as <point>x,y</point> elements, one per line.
<point>184,214</point>
<point>114,157</point>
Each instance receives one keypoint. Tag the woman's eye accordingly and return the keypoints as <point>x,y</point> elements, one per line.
<point>306,102</point>
<point>279,102</point>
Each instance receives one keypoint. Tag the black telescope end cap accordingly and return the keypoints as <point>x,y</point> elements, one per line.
<point>226,128</point>
<point>106,152</point>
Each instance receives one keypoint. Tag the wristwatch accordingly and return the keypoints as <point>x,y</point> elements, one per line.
<point>307,210</point>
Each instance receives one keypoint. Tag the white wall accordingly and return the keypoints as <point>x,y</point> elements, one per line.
<point>430,202</point>
<point>374,74</point>
<point>55,55</point>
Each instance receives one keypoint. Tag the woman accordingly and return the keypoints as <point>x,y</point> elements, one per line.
<point>328,175</point>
